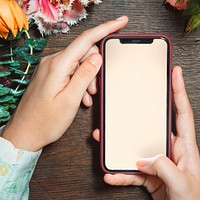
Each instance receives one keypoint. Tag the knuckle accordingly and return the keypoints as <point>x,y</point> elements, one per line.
<point>45,61</point>
<point>47,58</point>
<point>159,160</point>
<point>46,66</point>
<point>87,35</point>
<point>51,64</point>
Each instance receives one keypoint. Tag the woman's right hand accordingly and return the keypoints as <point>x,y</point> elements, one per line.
<point>178,179</point>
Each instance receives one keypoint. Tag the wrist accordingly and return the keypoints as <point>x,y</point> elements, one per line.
<point>21,139</point>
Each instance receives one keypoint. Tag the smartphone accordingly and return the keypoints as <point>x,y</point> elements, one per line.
<point>135,82</point>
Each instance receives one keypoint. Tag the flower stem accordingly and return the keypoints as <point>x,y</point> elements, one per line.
<point>11,50</point>
<point>27,34</point>
<point>28,65</point>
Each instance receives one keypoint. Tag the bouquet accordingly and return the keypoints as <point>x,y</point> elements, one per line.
<point>53,16</point>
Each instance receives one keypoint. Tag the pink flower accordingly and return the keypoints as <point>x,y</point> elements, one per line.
<point>53,16</point>
<point>178,4</point>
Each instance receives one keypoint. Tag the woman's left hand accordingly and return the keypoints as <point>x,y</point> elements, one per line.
<point>58,85</point>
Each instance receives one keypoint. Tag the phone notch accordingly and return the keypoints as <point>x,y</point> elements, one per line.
<point>136,40</point>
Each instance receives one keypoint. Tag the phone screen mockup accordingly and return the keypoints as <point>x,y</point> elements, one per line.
<point>135,100</point>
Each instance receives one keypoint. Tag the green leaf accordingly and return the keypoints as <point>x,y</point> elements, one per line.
<point>31,42</point>
<point>6,106</point>
<point>17,71</point>
<point>193,23</point>
<point>4,90</point>
<point>3,112</point>
<point>18,36</point>
<point>12,63</point>
<point>5,119</point>
<point>3,74</point>
<point>193,8</point>
<point>37,43</point>
<point>13,106</point>
<point>15,64</point>
<point>6,62</point>
<point>6,98</point>
<point>1,85</point>
<point>6,55</point>
<point>21,48</point>
<point>32,59</point>
<point>23,82</point>
<point>12,100</point>
<point>17,93</point>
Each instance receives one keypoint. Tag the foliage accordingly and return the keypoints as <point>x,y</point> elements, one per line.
<point>190,8</point>
<point>18,63</point>
<point>193,11</point>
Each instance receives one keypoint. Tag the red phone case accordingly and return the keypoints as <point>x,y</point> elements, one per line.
<point>168,146</point>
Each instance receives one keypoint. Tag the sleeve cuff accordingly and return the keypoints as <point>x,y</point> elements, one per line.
<point>16,169</point>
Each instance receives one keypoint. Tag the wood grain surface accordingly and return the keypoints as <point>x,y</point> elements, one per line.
<point>70,168</point>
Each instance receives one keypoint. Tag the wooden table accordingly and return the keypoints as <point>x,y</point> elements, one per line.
<point>70,168</point>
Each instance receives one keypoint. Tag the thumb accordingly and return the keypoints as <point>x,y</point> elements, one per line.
<point>83,76</point>
<point>162,167</point>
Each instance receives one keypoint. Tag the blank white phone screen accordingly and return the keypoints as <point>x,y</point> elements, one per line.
<point>135,102</point>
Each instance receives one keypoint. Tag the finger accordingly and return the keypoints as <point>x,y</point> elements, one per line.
<point>80,46</point>
<point>96,135</point>
<point>184,114</point>
<point>92,50</point>
<point>163,168</point>
<point>92,88</point>
<point>124,180</point>
<point>87,99</point>
<point>152,183</point>
<point>82,78</point>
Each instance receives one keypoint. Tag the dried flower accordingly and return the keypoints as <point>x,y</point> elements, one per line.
<point>53,16</point>
<point>178,4</point>
<point>12,18</point>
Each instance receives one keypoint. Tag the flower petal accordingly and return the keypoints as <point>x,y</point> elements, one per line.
<point>3,34</point>
<point>3,26</point>
<point>6,14</point>
<point>20,17</point>
<point>49,10</point>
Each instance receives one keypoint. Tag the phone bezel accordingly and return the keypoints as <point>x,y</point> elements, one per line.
<point>102,94</point>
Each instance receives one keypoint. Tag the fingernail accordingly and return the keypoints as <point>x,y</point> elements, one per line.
<point>121,18</point>
<point>95,60</point>
<point>89,100</point>
<point>145,161</point>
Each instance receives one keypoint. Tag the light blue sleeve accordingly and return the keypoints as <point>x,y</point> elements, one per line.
<point>16,169</point>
